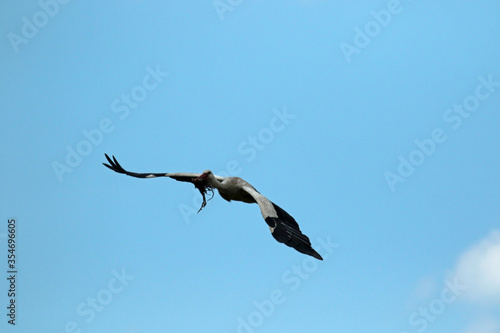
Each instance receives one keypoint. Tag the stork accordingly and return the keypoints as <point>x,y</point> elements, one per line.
<point>283,227</point>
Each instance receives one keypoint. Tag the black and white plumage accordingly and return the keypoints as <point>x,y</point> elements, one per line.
<point>283,227</point>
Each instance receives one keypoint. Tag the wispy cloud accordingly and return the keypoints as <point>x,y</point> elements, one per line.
<point>479,268</point>
<point>474,280</point>
<point>484,325</point>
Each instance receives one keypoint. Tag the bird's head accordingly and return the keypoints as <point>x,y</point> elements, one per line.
<point>204,175</point>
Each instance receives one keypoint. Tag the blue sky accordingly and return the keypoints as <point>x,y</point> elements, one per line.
<point>373,123</point>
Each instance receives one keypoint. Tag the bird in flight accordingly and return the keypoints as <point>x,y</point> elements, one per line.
<point>283,227</point>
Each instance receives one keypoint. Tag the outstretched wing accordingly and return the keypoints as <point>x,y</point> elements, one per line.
<point>283,227</point>
<point>200,184</point>
<point>180,176</point>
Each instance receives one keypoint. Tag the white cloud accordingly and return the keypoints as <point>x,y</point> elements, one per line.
<point>484,325</point>
<point>479,269</point>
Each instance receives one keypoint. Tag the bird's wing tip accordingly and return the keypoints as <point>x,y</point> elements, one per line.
<point>317,256</point>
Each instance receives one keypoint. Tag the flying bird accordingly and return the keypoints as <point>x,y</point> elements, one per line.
<point>283,227</point>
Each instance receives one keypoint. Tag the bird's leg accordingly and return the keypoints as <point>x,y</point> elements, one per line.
<point>204,203</point>
<point>211,192</point>
<point>203,189</point>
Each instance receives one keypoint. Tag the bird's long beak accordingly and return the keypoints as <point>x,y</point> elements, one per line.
<point>202,176</point>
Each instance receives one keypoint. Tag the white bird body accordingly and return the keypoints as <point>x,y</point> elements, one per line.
<point>283,227</point>
<point>232,188</point>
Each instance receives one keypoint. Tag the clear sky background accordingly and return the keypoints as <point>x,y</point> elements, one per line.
<point>374,123</point>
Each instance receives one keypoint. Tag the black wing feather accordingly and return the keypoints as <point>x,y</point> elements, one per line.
<point>116,167</point>
<point>286,230</point>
